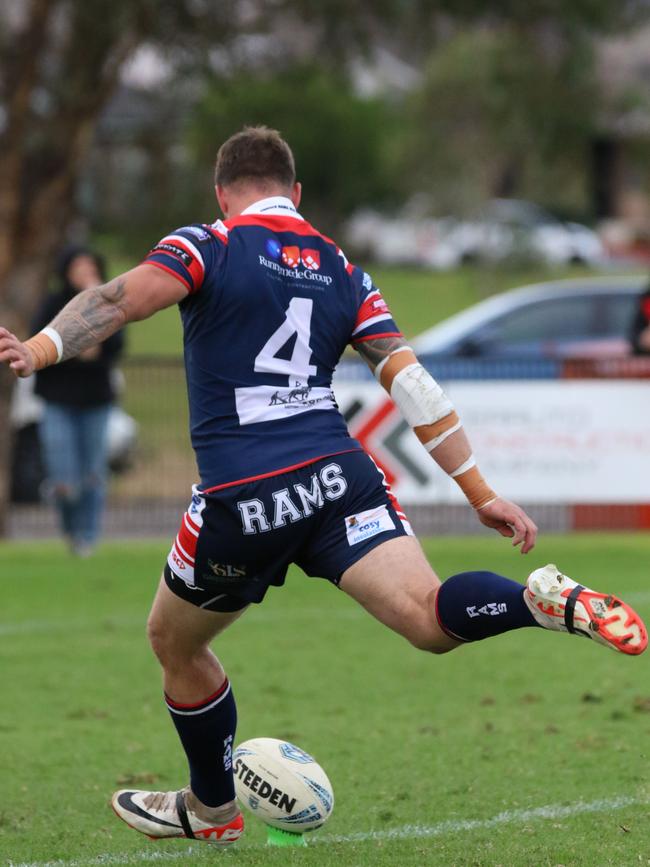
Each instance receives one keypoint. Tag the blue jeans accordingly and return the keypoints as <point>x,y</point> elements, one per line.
<point>75,450</point>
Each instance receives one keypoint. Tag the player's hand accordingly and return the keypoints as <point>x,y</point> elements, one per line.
<point>14,353</point>
<point>509,520</point>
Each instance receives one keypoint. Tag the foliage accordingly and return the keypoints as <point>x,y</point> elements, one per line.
<point>488,118</point>
<point>337,137</point>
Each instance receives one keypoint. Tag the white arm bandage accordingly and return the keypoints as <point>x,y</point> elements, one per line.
<point>419,397</point>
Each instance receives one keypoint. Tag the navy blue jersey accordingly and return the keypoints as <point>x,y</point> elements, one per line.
<point>271,306</point>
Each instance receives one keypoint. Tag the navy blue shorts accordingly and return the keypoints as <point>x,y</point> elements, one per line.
<point>237,541</point>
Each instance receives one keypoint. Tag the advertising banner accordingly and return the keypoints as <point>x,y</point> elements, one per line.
<point>573,441</point>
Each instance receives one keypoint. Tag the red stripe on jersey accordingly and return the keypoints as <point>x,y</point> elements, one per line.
<point>276,472</point>
<point>217,234</point>
<point>376,336</point>
<point>169,271</point>
<point>196,268</point>
<point>278,224</point>
<point>373,306</point>
<point>349,268</point>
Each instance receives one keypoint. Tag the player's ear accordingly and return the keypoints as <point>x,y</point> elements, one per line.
<point>296,194</point>
<point>222,198</point>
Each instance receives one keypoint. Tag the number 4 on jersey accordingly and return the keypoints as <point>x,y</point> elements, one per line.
<point>297,322</point>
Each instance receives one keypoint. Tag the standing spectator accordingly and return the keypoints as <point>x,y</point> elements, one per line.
<point>77,395</point>
<point>640,336</point>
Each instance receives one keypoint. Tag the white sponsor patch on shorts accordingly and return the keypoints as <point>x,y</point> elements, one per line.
<point>365,525</point>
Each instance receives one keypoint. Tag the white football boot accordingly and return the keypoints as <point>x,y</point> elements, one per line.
<point>558,602</point>
<point>173,814</point>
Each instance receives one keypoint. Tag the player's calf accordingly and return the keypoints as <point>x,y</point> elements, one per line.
<point>471,606</point>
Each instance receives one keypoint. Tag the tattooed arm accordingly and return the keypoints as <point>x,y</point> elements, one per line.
<point>93,315</point>
<point>378,349</point>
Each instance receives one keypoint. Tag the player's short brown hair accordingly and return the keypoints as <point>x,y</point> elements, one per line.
<point>258,155</point>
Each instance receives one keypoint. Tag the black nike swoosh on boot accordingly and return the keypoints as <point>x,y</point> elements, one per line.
<point>127,803</point>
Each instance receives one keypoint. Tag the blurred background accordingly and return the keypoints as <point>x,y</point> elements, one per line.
<point>459,150</point>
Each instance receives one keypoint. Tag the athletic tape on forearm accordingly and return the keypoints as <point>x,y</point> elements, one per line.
<point>475,488</point>
<point>466,465</point>
<point>46,348</point>
<point>419,397</point>
<point>431,444</point>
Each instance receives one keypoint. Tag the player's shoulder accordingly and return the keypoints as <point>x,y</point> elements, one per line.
<point>201,234</point>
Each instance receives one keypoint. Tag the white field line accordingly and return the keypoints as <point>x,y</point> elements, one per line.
<point>405,832</point>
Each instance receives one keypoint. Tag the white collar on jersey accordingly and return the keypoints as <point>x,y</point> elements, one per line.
<point>273,206</point>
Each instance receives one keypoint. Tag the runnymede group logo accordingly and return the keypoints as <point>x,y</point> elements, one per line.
<point>292,256</point>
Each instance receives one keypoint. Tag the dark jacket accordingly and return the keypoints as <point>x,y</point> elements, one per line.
<point>76,382</point>
<point>640,323</point>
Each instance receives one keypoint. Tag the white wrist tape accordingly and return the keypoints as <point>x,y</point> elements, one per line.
<point>469,463</point>
<point>436,441</point>
<point>419,397</point>
<point>55,337</point>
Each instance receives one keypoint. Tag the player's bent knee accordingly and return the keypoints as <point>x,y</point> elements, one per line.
<point>431,643</point>
<point>425,633</point>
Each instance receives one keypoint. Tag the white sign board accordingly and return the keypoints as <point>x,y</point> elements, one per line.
<point>559,441</point>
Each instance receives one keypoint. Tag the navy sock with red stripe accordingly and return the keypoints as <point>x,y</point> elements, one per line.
<point>207,732</point>
<point>475,605</point>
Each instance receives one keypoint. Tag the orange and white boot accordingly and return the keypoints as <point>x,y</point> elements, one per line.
<point>557,602</point>
<point>176,814</point>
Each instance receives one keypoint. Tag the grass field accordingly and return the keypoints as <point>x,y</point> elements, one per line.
<point>530,749</point>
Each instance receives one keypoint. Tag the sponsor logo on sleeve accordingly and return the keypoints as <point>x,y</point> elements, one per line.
<point>379,306</point>
<point>365,525</point>
<point>199,234</point>
<point>173,250</point>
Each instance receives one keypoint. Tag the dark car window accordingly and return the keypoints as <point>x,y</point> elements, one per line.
<point>553,319</point>
<point>619,311</point>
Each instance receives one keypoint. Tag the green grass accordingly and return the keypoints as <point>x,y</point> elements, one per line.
<point>418,299</point>
<point>522,721</point>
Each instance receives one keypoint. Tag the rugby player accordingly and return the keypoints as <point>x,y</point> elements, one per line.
<point>268,306</point>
